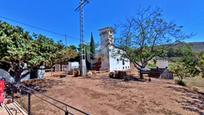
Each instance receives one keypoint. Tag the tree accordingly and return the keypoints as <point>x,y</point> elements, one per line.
<point>92,51</point>
<point>44,50</point>
<point>15,44</point>
<point>200,57</point>
<point>186,65</point>
<point>92,47</point>
<point>76,50</point>
<point>73,47</point>
<point>18,47</point>
<point>146,36</point>
<point>66,55</point>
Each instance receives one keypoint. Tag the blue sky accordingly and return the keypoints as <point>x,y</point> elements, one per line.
<point>59,15</point>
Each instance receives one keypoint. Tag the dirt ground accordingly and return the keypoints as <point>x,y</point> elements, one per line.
<point>99,95</point>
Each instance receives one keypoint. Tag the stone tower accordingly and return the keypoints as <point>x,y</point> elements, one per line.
<point>107,41</point>
<point>107,37</point>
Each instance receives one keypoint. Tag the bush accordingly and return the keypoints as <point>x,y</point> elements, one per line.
<point>180,82</point>
<point>118,74</point>
<point>111,74</point>
<point>150,65</point>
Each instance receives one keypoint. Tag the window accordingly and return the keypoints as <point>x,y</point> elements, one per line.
<point>118,61</point>
<point>118,51</point>
<point>123,62</point>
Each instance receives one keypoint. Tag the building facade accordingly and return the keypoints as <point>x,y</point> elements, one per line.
<point>112,59</point>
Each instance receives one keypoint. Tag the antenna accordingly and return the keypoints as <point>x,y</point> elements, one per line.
<point>80,9</point>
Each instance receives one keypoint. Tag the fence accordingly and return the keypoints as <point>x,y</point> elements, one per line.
<point>58,68</point>
<point>26,101</point>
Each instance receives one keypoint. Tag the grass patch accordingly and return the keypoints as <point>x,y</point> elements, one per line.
<point>195,83</point>
<point>179,82</point>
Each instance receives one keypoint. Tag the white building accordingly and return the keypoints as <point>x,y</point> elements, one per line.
<point>111,56</point>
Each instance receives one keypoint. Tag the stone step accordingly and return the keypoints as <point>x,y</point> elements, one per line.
<point>12,109</point>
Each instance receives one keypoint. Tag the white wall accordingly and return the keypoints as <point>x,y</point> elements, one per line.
<point>162,63</point>
<point>111,62</point>
<point>117,63</point>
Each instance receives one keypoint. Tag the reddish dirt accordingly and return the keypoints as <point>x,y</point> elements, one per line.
<point>100,95</point>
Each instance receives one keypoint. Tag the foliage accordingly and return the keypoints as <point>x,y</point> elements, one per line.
<point>44,50</point>
<point>182,83</point>
<point>73,47</point>
<point>151,65</point>
<point>186,65</point>
<point>179,70</point>
<point>200,57</point>
<point>18,47</point>
<point>14,43</point>
<point>90,51</point>
<point>144,37</point>
<point>91,55</point>
<point>65,55</point>
<point>92,47</point>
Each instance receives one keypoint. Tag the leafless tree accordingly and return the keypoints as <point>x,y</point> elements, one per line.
<point>146,36</point>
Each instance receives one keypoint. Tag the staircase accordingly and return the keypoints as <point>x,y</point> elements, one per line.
<point>12,109</point>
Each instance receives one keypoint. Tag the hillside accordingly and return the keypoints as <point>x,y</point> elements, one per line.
<point>197,46</point>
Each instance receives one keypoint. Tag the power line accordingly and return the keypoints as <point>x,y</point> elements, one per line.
<point>38,28</point>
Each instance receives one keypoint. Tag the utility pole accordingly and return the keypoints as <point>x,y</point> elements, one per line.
<point>80,8</point>
<point>65,38</point>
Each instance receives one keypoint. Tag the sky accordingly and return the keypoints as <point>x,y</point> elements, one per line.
<point>59,16</point>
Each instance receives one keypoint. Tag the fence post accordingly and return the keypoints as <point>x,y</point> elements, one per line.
<point>29,103</point>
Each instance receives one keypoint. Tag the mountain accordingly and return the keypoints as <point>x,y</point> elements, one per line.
<point>197,46</point>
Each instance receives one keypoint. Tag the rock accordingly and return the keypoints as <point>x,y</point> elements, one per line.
<point>89,73</point>
<point>76,73</point>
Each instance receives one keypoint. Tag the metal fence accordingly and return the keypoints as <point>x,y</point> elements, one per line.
<point>27,94</point>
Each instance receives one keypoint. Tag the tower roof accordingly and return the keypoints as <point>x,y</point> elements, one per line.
<point>107,29</point>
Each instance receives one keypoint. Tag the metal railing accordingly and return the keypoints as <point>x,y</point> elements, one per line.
<point>29,92</point>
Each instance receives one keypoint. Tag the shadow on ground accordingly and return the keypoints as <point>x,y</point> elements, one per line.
<point>42,85</point>
<point>192,101</point>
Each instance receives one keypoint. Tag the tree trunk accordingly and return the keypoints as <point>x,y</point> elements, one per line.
<point>139,67</point>
<point>33,73</point>
<point>144,64</point>
<point>141,75</point>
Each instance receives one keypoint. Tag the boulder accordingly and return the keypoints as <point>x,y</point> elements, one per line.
<point>89,73</point>
<point>76,73</point>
